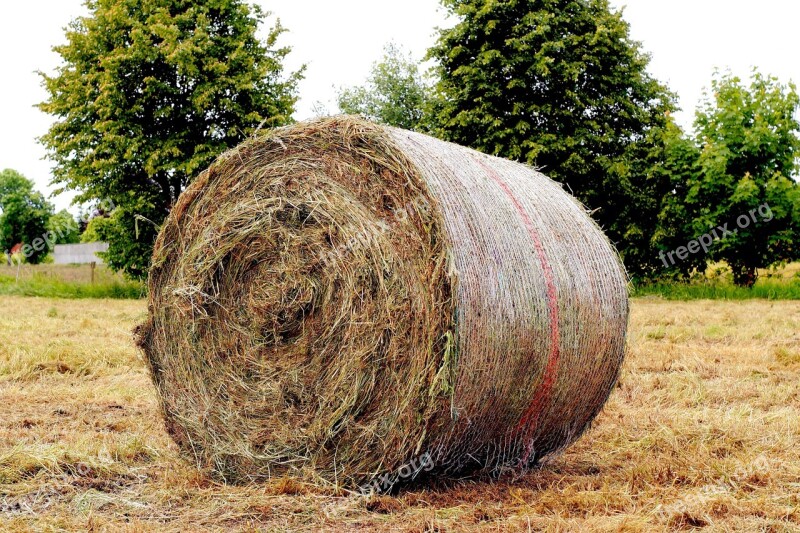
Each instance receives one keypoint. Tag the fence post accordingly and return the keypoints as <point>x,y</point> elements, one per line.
<point>91,266</point>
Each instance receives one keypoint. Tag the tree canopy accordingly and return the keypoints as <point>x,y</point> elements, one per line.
<point>150,92</point>
<point>395,93</point>
<point>561,85</point>
<point>64,228</point>
<point>24,215</point>
<point>741,165</point>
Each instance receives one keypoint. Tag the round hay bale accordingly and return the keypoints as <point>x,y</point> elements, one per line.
<point>338,300</point>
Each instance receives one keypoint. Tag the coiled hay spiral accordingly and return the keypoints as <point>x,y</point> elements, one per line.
<point>334,299</point>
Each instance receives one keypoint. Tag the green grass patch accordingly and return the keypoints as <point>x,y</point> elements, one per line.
<point>768,289</point>
<point>51,287</point>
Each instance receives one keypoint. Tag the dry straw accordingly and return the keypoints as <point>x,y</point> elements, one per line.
<point>334,299</point>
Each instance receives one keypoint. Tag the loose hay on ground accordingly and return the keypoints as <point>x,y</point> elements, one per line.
<point>653,462</point>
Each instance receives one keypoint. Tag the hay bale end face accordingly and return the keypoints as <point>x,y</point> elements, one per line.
<point>336,300</point>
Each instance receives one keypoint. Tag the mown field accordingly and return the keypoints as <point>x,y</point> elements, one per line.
<point>703,431</point>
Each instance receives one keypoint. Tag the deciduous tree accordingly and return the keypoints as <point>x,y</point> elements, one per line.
<point>396,93</point>
<point>24,214</point>
<point>560,84</point>
<point>748,145</point>
<point>64,228</point>
<point>150,92</point>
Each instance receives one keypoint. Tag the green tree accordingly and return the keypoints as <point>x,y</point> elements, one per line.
<point>560,84</point>
<point>24,214</point>
<point>64,228</point>
<point>98,229</point>
<point>150,92</point>
<point>748,148</point>
<point>680,166</point>
<point>395,92</point>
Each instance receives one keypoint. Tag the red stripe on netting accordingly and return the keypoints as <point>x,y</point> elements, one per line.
<point>530,419</point>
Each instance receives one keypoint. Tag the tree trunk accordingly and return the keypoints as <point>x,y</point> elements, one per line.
<point>744,275</point>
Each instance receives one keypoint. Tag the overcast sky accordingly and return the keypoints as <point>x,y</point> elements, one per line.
<point>340,40</point>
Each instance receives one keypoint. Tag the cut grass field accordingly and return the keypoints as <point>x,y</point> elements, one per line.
<point>703,430</point>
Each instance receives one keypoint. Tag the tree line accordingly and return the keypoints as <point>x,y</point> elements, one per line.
<point>151,91</point>
<point>29,225</point>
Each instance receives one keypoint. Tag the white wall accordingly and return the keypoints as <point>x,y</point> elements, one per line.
<point>66,254</point>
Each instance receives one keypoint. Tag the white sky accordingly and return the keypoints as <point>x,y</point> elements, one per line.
<point>340,40</point>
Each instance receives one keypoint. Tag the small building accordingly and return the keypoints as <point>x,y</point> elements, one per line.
<point>71,254</point>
